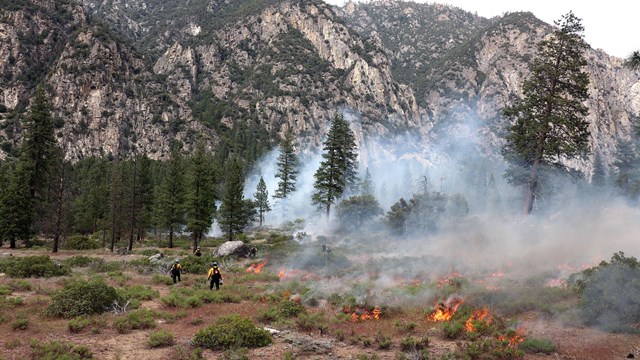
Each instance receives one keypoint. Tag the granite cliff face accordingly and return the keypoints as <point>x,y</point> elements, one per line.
<point>242,72</point>
<point>464,69</point>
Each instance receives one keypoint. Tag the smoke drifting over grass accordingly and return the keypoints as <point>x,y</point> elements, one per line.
<point>575,225</point>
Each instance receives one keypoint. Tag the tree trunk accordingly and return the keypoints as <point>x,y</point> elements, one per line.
<point>12,244</point>
<point>195,240</point>
<point>328,210</point>
<point>133,207</point>
<point>171,237</point>
<point>60,204</point>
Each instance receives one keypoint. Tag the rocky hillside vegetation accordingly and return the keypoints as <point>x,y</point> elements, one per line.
<point>133,76</point>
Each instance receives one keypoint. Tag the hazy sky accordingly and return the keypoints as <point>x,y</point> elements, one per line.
<point>610,25</point>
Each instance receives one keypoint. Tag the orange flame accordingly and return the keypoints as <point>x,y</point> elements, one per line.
<point>514,340</point>
<point>444,312</point>
<point>364,314</point>
<point>256,268</point>
<point>281,274</point>
<point>477,315</point>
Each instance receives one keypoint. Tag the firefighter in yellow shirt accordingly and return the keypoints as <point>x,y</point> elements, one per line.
<point>214,276</point>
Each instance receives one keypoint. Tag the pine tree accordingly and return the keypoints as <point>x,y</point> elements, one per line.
<point>145,197</point>
<point>367,187</point>
<point>287,172</point>
<point>633,61</point>
<point>201,204</point>
<point>170,209</point>
<point>16,210</point>
<point>39,146</point>
<point>599,177</point>
<point>117,206</point>
<point>90,207</point>
<point>235,211</point>
<point>627,174</point>
<point>262,199</point>
<point>549,122</point>
<point>337,170</point>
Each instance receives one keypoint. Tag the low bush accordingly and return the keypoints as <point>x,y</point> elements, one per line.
<point>161,280</point>
<point>32,266</point>
<point>185,352</point>
<point>236,354</point>
<point>81,297</point>
<point>410,343</point>
<point>232,332</point>
<point>610,293</point>
<point>134,320</point>
<point>161,338</point>
<point>78,324</point>
<point>283,310</point>
<point>532,345</point>
<point>20,324</point>
<point>138,292</point>
<point>384,342</point>
<point>20,285</point>
<point>80,261</point>
<point>80,242</point>
<point>59,350</point>
<point>310,322</point>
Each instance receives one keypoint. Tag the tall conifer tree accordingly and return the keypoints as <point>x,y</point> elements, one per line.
<point>287,172</point>
<point>201,197</point>
<point>262,199</point>
<point>337,170</point>
<point>549,122</point>
<point>171,200</point>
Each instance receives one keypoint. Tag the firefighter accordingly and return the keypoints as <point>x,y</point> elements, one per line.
<point>253,251</point>
<point>175,270</point>
<point>214,276</point>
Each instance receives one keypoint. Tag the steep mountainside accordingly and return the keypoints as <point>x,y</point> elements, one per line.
<point>468,68</point>
<point>134,75</point>
<point>237,72</point>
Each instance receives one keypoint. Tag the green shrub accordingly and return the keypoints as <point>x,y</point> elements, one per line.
<point>80,242</point>
<point>161,280</point>
<point>309,322</point>
<point>20,324</point>
<point>232,332</point>
<point>78,324</point>
<point>80,261</point>
<point>32,266</point>
<point>412,344</point>
<point>161,338</point>
<point>20,285</point>
<point>138,292</point>
<point>5,290</point>
<point>282,310</point>
<point>58,350</point>
<point>82,297</point>
<point>532,345</point>
<point>384,342</point>
<point>236,354</point>
<point>184,352</point>
<point>610,293</point>
<point>137,319</point>
<point>197,264</point>
<point>452,329</point>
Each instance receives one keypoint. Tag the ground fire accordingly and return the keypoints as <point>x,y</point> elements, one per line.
<point>444,311</point>
<point>360,313</point>
<point>477,315</point>
<point>256,268</point>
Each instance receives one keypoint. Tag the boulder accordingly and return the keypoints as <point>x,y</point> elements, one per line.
<point>237,248</point>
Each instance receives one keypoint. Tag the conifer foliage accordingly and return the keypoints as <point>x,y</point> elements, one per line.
<point>549,122</point>
<point>287,172</point>
<point>337,170</point>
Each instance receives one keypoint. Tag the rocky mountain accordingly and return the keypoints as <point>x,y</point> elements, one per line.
<point>463,69</point>
<point>131,76</point>
<point>233,72</point>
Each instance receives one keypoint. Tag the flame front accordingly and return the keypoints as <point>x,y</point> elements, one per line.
<point>444,312</point>
<point>477,315</point>
<point>364,314</point>
<point>256,268</point>
<point>514,340</point>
